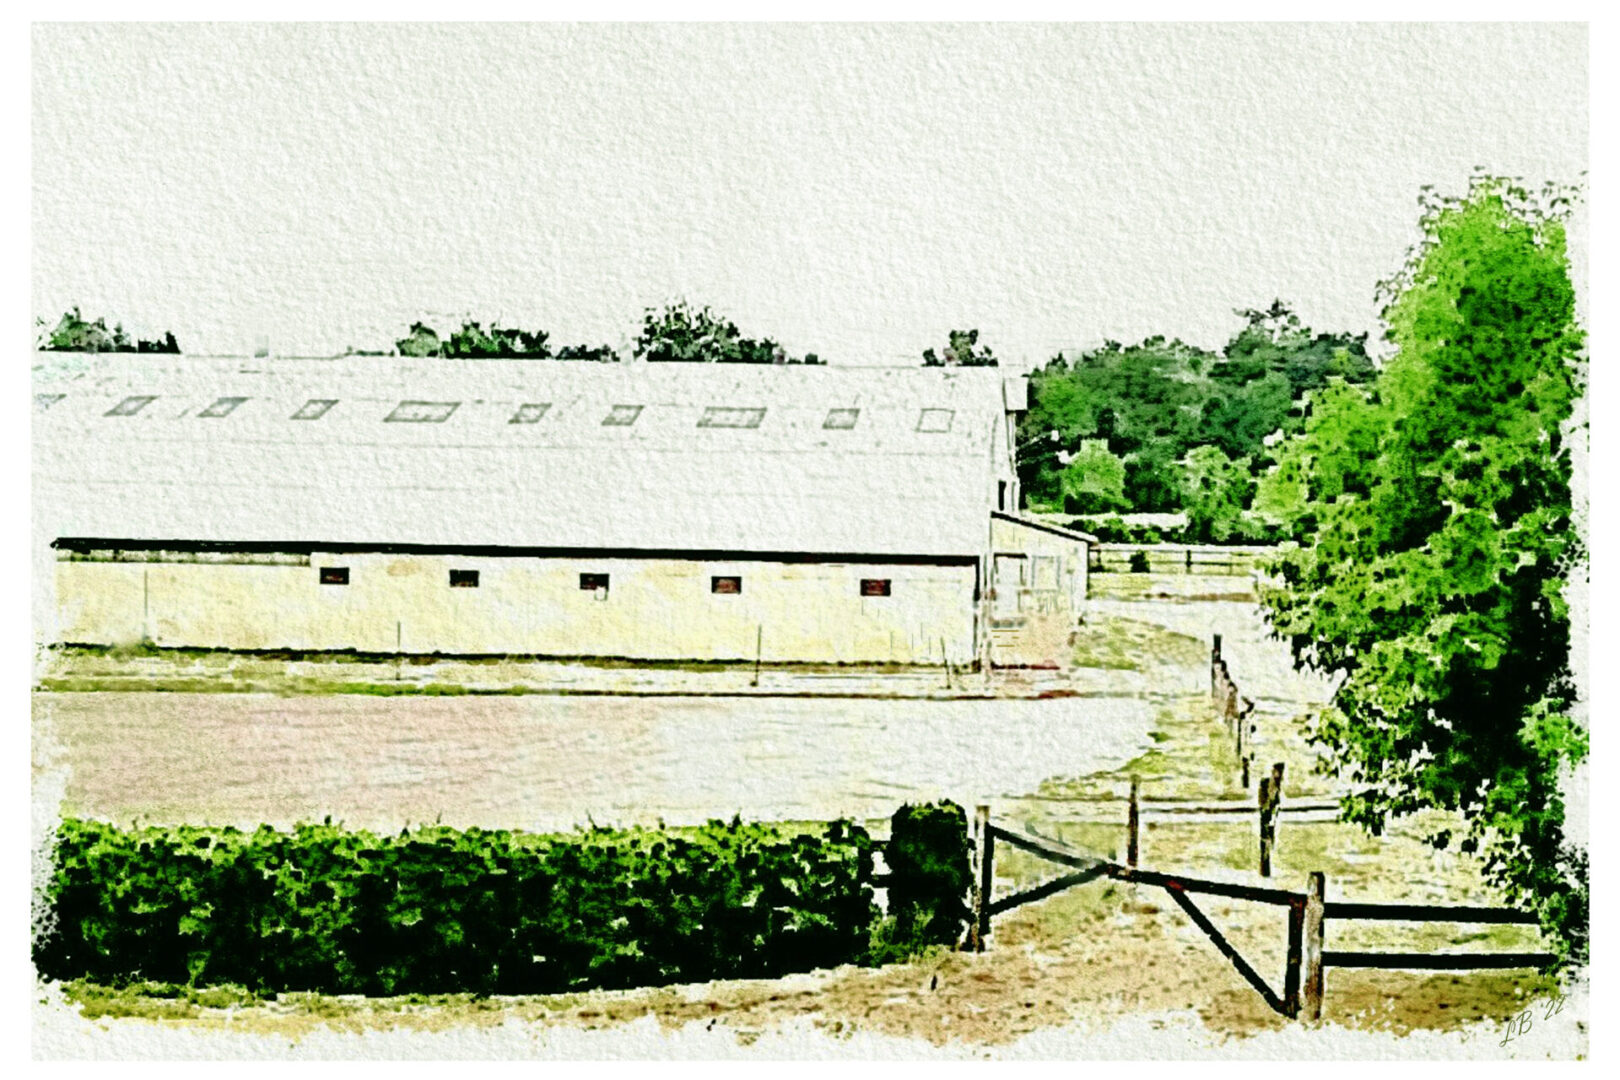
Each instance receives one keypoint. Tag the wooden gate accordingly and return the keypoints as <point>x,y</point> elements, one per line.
<point>1308,913</point>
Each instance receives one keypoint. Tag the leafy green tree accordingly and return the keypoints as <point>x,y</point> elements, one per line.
<point>679,332</point>
<point>1143,400</point>
<point>1237,419</point>
<point>73,333</point>
<point>1216,489</point>
<point>472,341</point>
<point>1153,480</point>
<point>1432,585</point>
<point>422,340</point>
<point>1265,372</point>
<point>1156,400</point>
<point>1094,480</point>
<point>600,353</point>
<point>962,350</point>
<point>1274,341</point>
<point>1326,463</point>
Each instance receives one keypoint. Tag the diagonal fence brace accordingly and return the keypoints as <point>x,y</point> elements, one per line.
<point>1179,895</point>
<point>1041,892</point>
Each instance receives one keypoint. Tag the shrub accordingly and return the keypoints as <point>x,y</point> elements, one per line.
<point>1139,562</point>
<point>437,910</point>
<point>929,874</point>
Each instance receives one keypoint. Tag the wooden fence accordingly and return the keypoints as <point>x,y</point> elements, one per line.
<point>1268,808</point>
<point>1303,982</point>
<point>1232,708</point>
<point>1176,558</point>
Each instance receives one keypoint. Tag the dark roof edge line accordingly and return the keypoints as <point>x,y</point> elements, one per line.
<point>303,547</point>
<point>1058,530</point>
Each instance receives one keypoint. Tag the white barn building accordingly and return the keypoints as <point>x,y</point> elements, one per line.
<point>542,508</point>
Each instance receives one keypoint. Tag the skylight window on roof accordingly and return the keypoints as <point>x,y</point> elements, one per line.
<point>314,409</point>
<point>530,412</point>
<point>421,412</point>
<point>717,416</point>
<point>622,416</point>
<point>132,405</point>
<point>841,419</point>
<point>222,406</point>
<point>45,401</point>
<point>936,421</point>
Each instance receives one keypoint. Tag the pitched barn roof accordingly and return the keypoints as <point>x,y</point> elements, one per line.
<point>687,457</point>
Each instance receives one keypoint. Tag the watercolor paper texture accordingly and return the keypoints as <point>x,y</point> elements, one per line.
<point>695,541</point>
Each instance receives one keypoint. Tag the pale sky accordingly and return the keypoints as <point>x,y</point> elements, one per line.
<point>852,190</point>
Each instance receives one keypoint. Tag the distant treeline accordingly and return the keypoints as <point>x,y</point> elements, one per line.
<point>1163,426</point>
<point>676,332</point>
<point>73,333</point>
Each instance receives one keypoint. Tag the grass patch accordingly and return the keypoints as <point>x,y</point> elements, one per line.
<point>154,1001</point>
<point>1118,643</point>
<point>1175,588</point>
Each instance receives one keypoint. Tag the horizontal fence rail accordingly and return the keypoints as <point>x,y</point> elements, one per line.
<point>1436,961</point>
<point>1178,558</point>
<point>1344,909</point>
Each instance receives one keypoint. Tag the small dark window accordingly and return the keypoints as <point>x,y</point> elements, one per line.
<point>716,416</point>
<point>421,412</point>
<point>727,585</point>
<point>464,579</point>
<point>1001,494</point>
<point>878,586</point>
<point>222,407</point>
<point>334,575</point>
<point>132,405</point>
<point>937,421</point>
<point>841,419</point>
<point>530,412</point>
<point>621,416</point>
<point>314,408</point>
<point>593,581</point>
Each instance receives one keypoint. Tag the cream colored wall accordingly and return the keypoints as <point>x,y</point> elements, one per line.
<point>655,608</point>
<point>1012,537</point>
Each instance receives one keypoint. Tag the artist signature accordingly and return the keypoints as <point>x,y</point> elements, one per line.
<point>1521,1024</point>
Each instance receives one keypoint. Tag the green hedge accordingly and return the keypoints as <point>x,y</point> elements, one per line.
<point>437,910</point>
<point>929,872</point>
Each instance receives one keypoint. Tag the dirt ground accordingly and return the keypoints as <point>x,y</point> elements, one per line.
<point>1092,956</point>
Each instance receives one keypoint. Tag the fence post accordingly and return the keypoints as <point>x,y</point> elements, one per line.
<point>975,858</point>
<point>1263,802</point>
<point>1245,772</point>
<point>759,650</point>
<point>1312,932</point>
<point>1291,967</point>
<point>1270,804</point>
<point>1133,824</point>
<point>987,862</point>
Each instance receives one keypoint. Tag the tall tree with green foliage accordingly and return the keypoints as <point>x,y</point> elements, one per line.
<point>1439,543</point>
